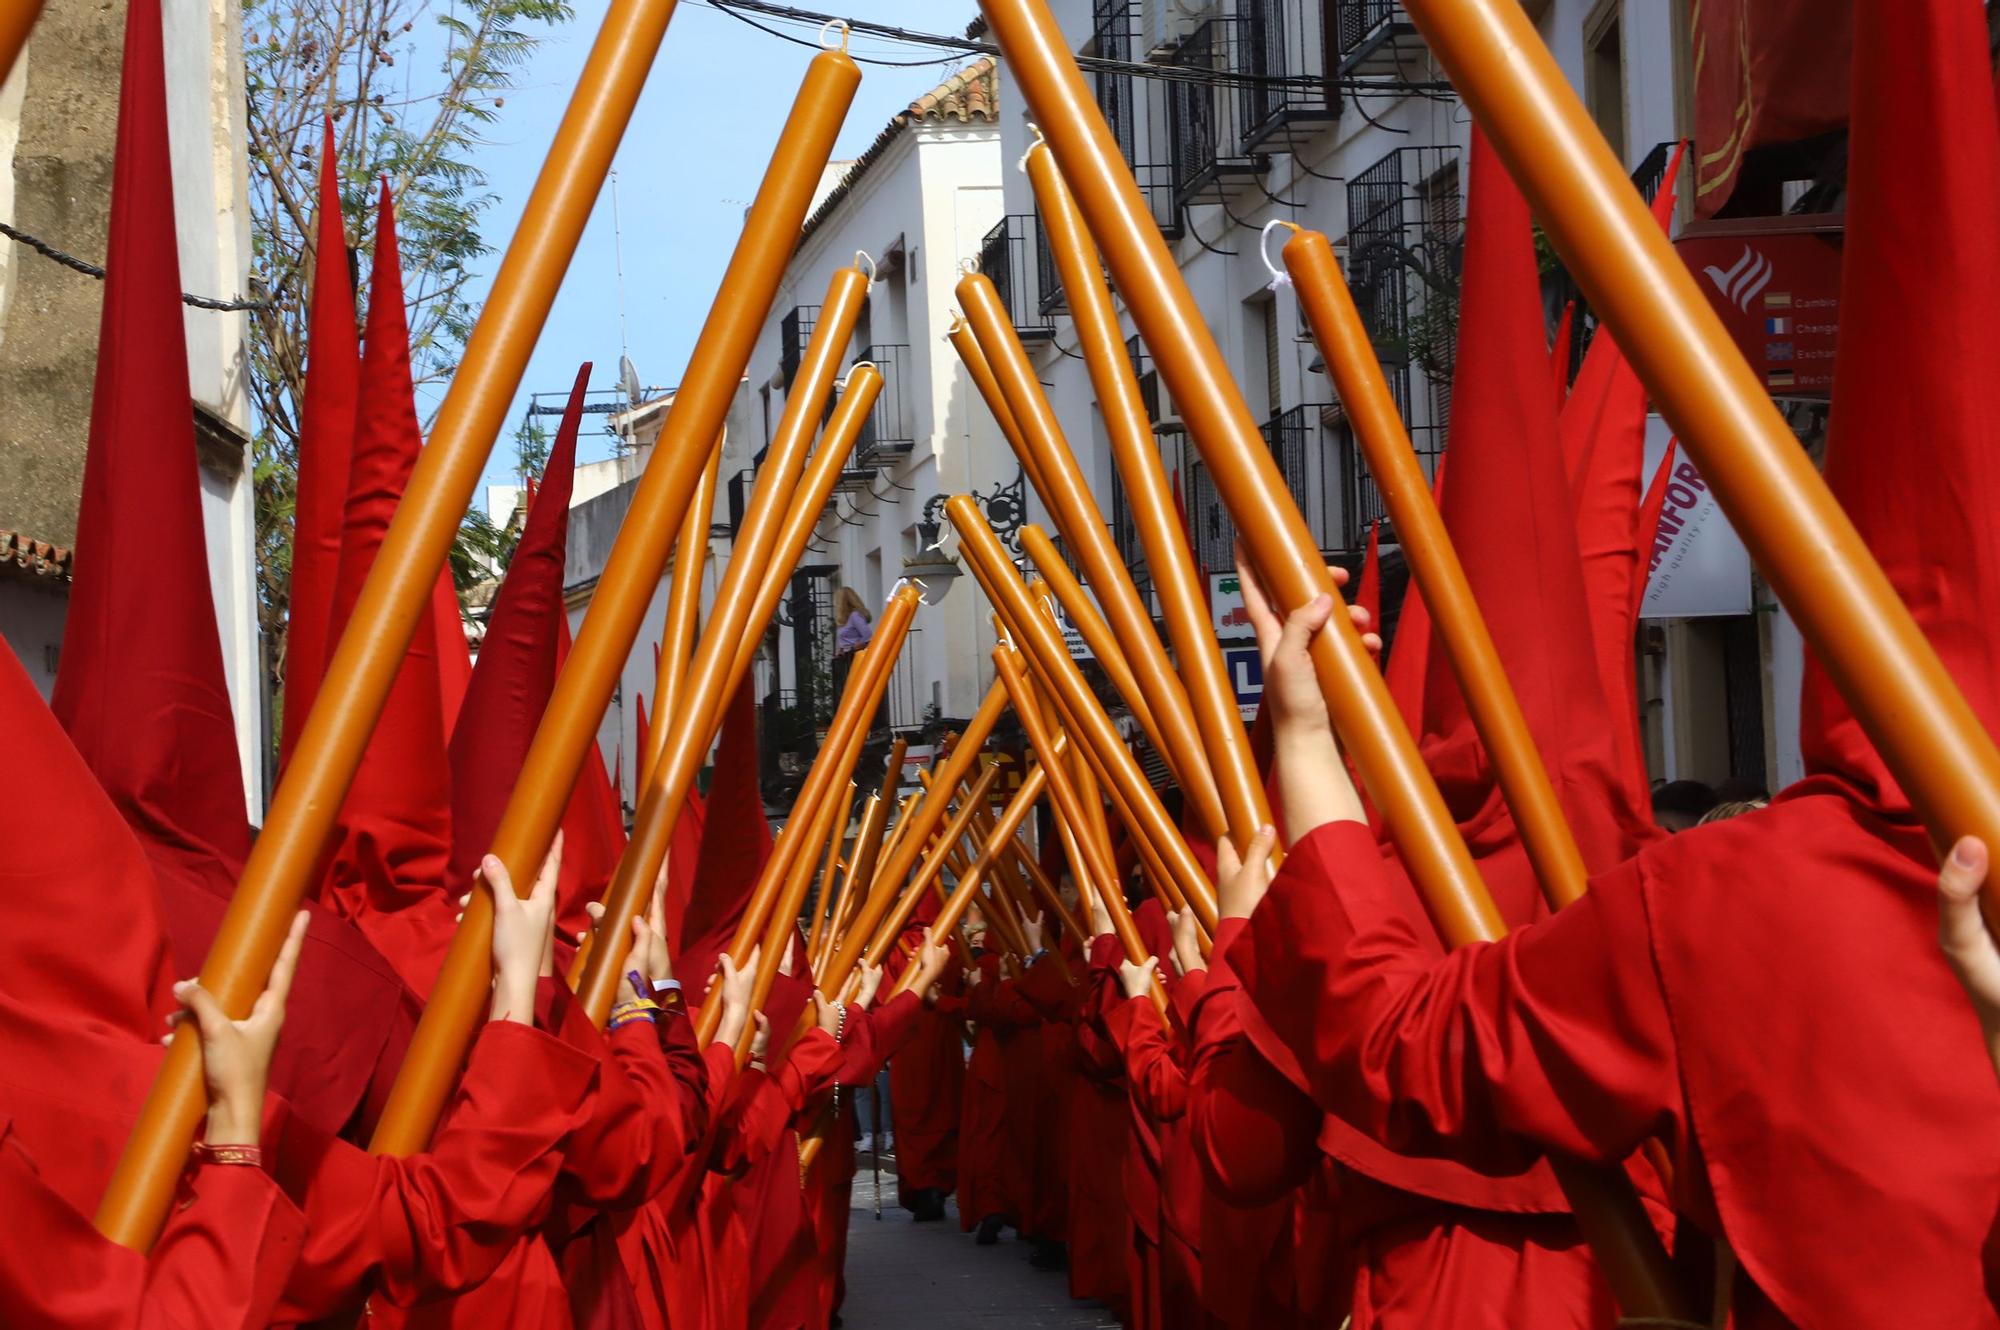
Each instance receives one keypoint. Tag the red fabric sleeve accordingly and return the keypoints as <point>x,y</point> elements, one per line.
<point>763,1104</point>
<point>1253,1131</point>
<point>1157,1083</point>
<point>1554,1038</point>
<point>646,1117</point>
<point>895,1021</point>
<point>1045,989</point>
<point>220,1262</point>
<point>437,1222</point>
<point>719,1072</point>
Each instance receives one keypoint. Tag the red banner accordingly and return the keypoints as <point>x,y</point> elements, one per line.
<point>1776,284</point>
<point>1765,71</point>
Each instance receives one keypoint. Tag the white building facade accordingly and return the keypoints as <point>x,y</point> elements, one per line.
<point>58,118</point>
<point>1332,115</point>
<point>919,202</point>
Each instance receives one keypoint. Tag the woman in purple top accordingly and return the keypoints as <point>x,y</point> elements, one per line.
<point>852,616</point>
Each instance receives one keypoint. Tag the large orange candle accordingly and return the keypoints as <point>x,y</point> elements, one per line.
<point>1183,599</point>
<point>914,840</point>
<point>684,604</point>
<point>17,20</point>
<point>1019,805</point>
<point>1722,412</point>
<point>1059,481</point>
<point>866,684</point>
<point>743,605</point>
<point>1364,393</point>
<point>1286,555</point>
<point>398,589</point>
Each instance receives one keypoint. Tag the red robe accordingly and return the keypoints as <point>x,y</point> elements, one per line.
<point>645,1117</point>
<point>1555,1039</point>
<point>220,1262</point>
<point>437,1223</point>
<point>989,1180</point>
<point>870,1039</point>
<point>1099,1129</point>
<point>927,1086</point>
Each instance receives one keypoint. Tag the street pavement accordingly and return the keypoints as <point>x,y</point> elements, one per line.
<point>903,1275</point>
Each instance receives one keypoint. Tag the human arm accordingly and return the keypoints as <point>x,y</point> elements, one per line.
<point>1554,1038</point>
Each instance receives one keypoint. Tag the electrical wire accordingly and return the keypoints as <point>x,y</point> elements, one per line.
<point>969,46</point>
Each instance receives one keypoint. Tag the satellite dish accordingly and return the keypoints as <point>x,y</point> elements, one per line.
<point>628,380</point>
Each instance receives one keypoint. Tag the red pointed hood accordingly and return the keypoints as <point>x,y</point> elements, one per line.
<point>83,1007</point>
<point>1368,591</point>
<point>454,653</point>
<point>1409,648</point>
<point>735,843</point>
<point>1509,514</point>
<point>1913,452</point>
<point>388,874</point>
<point>642,731</point>
<point>1603,428</point>
<point>1559,350</point>
<point>141,687</point>
<point>517,661</point>
<point>593,827</point>
<point>326,439</point>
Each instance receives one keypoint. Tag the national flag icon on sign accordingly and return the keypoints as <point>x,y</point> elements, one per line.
<point>1781,378</point>
<point>1777,327</point>
<point>1778,300</point>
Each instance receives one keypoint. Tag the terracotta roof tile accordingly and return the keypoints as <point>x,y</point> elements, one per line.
<point>23,555</point>
<point>971,95</point>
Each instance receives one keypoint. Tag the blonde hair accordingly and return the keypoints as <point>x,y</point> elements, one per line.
<point>847,601</point>
<point>1722,812</point>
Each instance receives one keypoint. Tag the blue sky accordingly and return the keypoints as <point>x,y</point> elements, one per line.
<point>690,162</point>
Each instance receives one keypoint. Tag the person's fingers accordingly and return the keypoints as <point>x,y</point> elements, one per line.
<point>500,885</point>
<point>763,1023</point>
<point>1340,575</point>
<point>1302,623</point>
<point>208,1013</point>
<point>725,967</point>
<point>1151,967</point>
<point>551,865</point>
<point>465,900</point>
<point>1228,863</point>
<point>544,894</point>
<point>1961,930</point>
<point>595,909</point>
<point>287,964</point>
<point>1258,860</point>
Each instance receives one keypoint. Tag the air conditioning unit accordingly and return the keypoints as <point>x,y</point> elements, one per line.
<point>1165,22</point>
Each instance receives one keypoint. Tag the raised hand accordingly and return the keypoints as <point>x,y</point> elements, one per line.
<point>1968,944</point>
<point>1137,980</point>
<point>523,933</point>
<point>236,1055</point>
<point>1243,879</point>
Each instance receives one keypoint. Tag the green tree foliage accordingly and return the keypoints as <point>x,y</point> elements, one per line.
<point>412,90</point>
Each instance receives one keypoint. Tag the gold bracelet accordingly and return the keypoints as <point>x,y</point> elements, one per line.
<point>249,1155</point>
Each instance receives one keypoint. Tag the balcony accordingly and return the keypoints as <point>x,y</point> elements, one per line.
<point>1373,36</point>
<point>1135,109</point>
<point>1205,116</point>
<point>1047,280</point>
<point>1309,455</point>
<point>1405,244</point>
<point>1361,499</point>
<point>888,433</point>
<point>1007,257</point>
<point>1284,51</point>
<point>795,330</point>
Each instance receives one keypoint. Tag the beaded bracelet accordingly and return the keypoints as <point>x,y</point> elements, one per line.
<point>249,1155</point>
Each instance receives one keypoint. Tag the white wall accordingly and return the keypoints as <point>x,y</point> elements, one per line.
<point>937,187</point>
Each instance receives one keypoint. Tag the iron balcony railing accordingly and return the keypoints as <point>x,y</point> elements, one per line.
<point>1048,283</point>
<point>1283,53</point>
<point>1370,35</point>
<point>1007,258</point>
<point>1205,115</point>
<point>1135,109</point>
<point>889,431</point>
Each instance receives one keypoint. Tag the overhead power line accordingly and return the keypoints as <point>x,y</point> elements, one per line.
<point>964,46</point>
